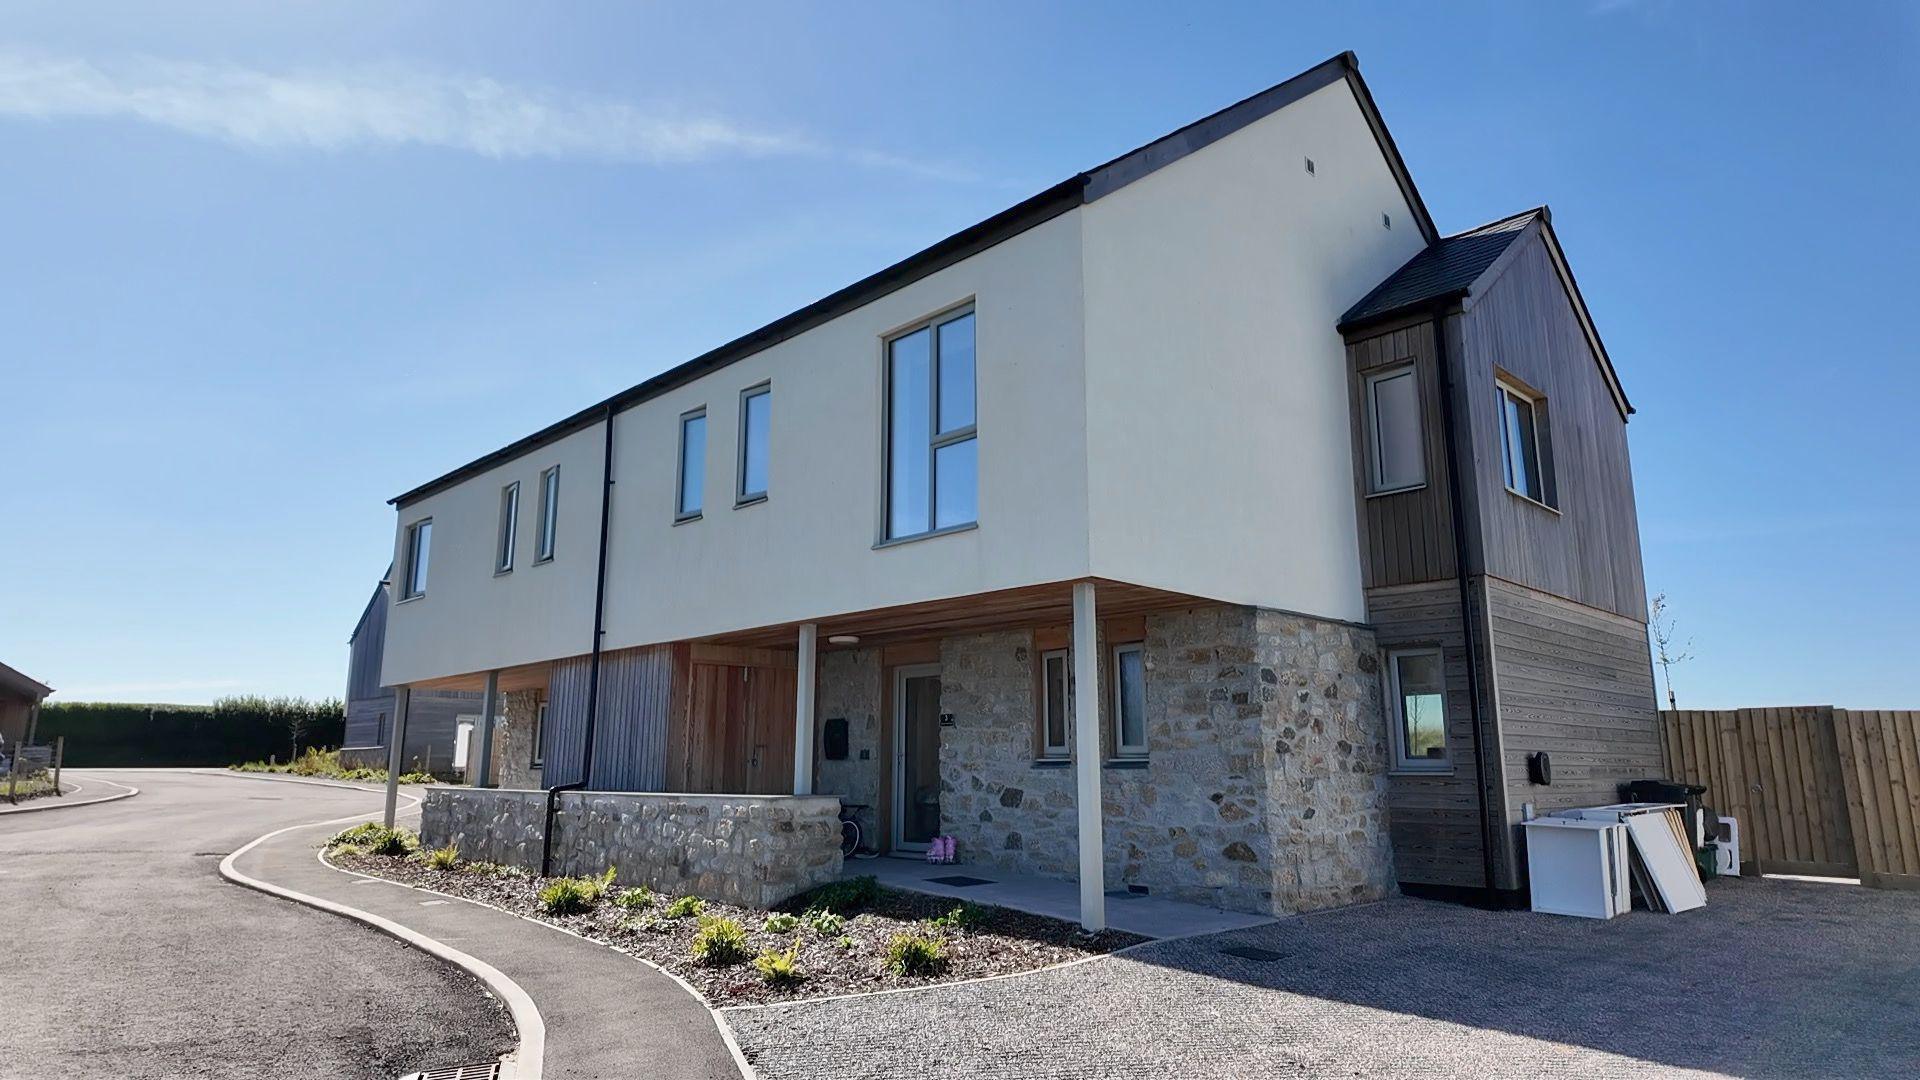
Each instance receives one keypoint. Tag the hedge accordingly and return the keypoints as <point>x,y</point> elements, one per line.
<point>106,734</point>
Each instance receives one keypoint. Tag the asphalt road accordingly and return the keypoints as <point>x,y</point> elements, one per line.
<point>127,955</point>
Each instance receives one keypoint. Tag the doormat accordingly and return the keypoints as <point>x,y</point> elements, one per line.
<point>958,881</point>
<point>1254,953</point>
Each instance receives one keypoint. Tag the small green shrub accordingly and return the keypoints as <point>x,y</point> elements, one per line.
<point>824,922</point>
<point>916,954</point>
<point>846,897</point>
<point>444,858</point>
<point>780,923</point>
<point>373,838</point>
<point>845,941</point>
<point>637,897</point>
<point>720,941</point>
<point>600,885</point>
<point>962,917</point>
<point>780,968</point>
<point>684,907</point>
<point>412,777</point>
<point>568,896</point>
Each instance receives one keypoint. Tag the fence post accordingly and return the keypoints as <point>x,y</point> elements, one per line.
<point>59,758</point>
<point>13,775</point>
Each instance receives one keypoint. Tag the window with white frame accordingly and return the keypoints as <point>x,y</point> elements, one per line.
<point>509,527</point>
<point>1129,701</point>
<point>932,452</point>
<point>1520,443</point>
<point>419,546</point>
<point>693,465</point>
<point>540,736</point>
<point>549,514</point>
<point>1056,704</point>
<point>756,415</point>
<point>1418,695</point>
<point>1395,439</point>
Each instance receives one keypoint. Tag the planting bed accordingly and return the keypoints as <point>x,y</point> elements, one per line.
<point>850,960</point>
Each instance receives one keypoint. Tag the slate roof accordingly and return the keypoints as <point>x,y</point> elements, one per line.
<point>1447,267</point>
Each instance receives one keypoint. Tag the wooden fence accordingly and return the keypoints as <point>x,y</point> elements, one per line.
<point>1817,790</point>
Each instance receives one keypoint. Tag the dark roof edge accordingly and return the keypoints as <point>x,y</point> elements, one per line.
<point>26,684</point>
<point>1078,189</point>
<point>379,592</point>
<point>1585,316</point>
<point>1425,303</point>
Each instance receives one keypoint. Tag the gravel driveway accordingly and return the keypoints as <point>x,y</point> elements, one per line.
<point>1770,979</point>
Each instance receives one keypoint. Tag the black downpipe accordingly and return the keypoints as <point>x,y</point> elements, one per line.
<point>1466,597</point>
<point>593,666</point>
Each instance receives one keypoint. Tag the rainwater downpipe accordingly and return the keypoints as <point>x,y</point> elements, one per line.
<point>593,666</point>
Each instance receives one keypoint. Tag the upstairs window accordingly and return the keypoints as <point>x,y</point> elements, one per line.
<point>756,413</point>
<point>549,513</point>
<point>509,527</point>
<point>1522,449</point>
<point>693,465</point>
<point>419,544</point>
<point>1396,442</point>
<point>932,453</point>
<point>1418,697</point>
<point>1129,701</point>
<point>1056,681</point>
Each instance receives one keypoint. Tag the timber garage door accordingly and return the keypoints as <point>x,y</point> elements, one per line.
<point>737,736</point>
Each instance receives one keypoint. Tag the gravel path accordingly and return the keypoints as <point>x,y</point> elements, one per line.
<point>1770,979</point>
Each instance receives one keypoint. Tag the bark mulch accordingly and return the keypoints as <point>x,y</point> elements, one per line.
<point>999,941</point>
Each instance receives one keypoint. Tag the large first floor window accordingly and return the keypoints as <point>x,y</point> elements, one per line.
<point>693,465</point>
<point>933,462</point>
<point>413,582</point>
<point>1521,457</point>
<point>756,418</point>
<point>509,527</point>
<point>1417,694</point>
<point>549,514</point>
<point>1395,440</point>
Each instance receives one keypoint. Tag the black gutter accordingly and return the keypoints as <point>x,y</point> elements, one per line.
<point>1461,571</point>
<point>593,666</point>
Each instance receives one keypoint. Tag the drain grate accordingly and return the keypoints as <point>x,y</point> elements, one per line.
<point>489,1070</point>
<point>959,881</point>
<point>1253,953</point>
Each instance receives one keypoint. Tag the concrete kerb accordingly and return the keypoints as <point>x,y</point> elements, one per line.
<point>719,1022</point>
<point>526,1063</point>
<point>61,802</point>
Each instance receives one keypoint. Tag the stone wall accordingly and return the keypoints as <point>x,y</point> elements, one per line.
<point>849,689</point>
<point>513,741</point>
<point>754,850</point>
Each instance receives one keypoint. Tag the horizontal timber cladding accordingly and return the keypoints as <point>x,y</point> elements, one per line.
<point>1405,536</point>
<point>1576,683</point>
<point>1434,818</point>
<point>630,734</point>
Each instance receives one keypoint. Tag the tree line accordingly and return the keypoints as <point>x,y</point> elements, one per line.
<point>252,727</point>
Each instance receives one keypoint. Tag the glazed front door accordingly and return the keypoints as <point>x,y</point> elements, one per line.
<point>916,756</point>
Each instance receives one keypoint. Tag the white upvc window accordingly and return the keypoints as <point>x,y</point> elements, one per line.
<point>689,487</point>
<point>1396,441</point>
<point>509,527</point>
<point>756,421</point>
<point>549,514</point>
<point>1129,701</point>
<point>1056,704</point>
<point>1520,444</point>
<point>933,462</point>
<point>413,579</point>
<point>1417,695</point>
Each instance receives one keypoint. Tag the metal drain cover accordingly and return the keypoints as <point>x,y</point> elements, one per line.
<point>489,1070</point>
<point>1254,953</point>
<point>959,881</point>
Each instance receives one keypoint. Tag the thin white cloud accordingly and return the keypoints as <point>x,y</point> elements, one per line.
<point>386,106</point>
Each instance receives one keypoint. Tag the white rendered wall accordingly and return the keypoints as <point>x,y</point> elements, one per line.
<point>1218,429</point>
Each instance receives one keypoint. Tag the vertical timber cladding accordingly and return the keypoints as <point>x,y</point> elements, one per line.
<point>734,731</point>
<point>631,732</point>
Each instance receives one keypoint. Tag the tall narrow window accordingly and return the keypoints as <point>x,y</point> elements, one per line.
<point>756,414</point>
<point>1419,702</point>
<point>1520,443</point>
<point>1055,680</point>
<point>540,736</point>
<point>509,527</point>
<point>1129,701</point>
<point>549,513</point>
<point>1395,438</point>
<point>419,546</point>
<point>693,465</point>
<point>933,460</point>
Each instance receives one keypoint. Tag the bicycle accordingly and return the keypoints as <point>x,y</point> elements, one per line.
<point>850,833</point>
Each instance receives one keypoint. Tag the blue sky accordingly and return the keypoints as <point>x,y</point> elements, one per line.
<point>269,265</point>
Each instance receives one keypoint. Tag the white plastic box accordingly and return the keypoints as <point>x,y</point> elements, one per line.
<point>1578,867</point>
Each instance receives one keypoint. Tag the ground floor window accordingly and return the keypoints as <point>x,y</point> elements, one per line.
<point>1418,697</point>
<point>1129,701</point>
<point>1055,679</point>
<point>540,736</point>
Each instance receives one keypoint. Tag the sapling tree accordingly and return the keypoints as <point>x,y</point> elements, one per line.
<point>1668,650</point>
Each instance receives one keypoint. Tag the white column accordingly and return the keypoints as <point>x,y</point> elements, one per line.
<point>1086,759</point>
<point>396,746</point>
<point>803,711</point>
<point>480,758</point>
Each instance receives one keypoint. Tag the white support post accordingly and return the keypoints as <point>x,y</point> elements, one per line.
<point>480,758</point>
<point>1086,760</point>
<point>396,747</point>
<point>803,711</point>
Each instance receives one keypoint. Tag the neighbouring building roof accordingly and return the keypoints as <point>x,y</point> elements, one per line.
<point>14,682</point>
<point>1076,190</point>
<point>1446,269</point>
